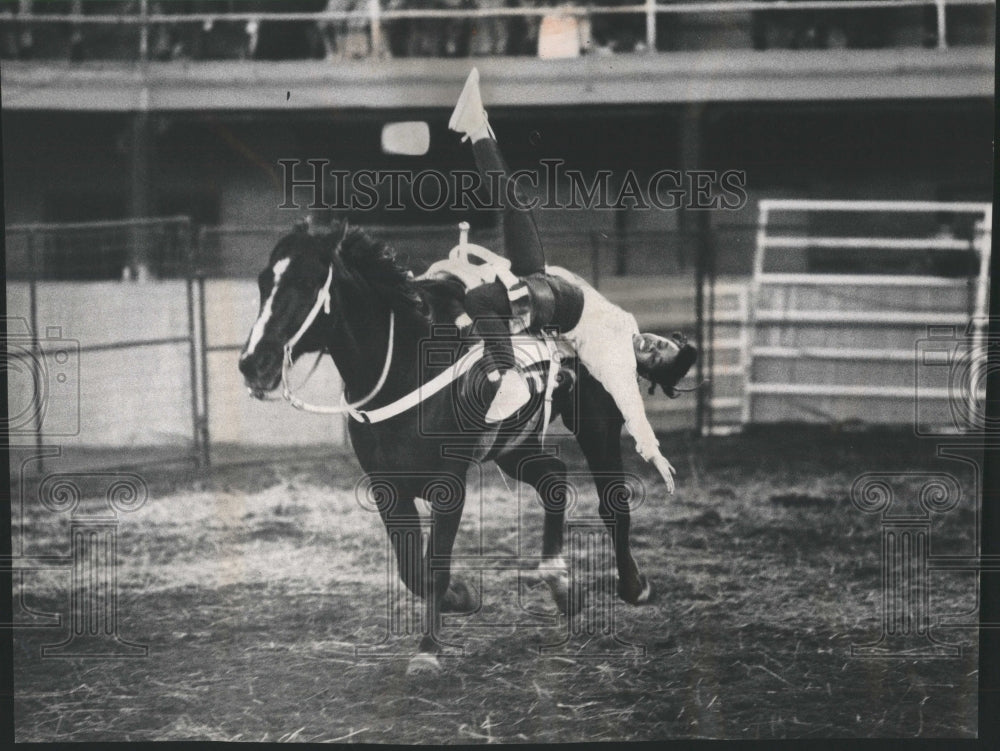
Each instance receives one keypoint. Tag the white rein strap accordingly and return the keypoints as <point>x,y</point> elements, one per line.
<point>323,302</point>
<point>424,391</point>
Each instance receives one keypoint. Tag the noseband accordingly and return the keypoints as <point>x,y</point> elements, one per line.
<point>323,302</point>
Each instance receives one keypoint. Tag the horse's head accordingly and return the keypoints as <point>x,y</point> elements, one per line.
<point>664,361</point>
<point>294,295</point>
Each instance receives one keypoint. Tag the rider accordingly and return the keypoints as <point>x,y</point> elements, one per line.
<point>605,338</point>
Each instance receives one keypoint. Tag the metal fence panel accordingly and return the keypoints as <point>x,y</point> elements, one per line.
<point>102,362</point>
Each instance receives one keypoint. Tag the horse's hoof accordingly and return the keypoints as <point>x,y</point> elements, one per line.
<point>423,663</point>
<point>559,587</point>
<point>459,598</point>
<point>642,596</point>
<point>646,593</point>
<point>554,574</point>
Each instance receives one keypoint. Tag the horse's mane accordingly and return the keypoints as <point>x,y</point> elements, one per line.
<point>379,265</point>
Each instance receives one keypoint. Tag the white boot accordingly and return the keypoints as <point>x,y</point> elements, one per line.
<point>510,397</point>
<point>469,117</point>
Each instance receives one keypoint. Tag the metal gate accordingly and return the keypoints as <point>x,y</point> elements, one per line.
<point>838,322</point>
<point>95,359</point>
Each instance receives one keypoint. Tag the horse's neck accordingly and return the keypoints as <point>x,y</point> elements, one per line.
<point>360,347</point>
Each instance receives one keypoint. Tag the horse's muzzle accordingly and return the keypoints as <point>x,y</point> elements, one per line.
<point>261,372</point>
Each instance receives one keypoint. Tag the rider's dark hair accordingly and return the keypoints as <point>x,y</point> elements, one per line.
<point>666,375</point>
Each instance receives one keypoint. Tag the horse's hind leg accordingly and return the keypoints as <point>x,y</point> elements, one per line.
<point>547,475</point>
<point>600,441</point>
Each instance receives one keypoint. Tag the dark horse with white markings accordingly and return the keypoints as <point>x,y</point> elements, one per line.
<point>373,321</point>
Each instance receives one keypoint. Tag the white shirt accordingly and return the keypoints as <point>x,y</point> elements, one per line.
<point>602,340</point>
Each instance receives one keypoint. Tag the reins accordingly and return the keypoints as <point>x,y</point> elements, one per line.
<point>344,407</point>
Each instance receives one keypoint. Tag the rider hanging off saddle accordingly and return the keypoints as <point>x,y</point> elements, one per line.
<point>527,295</point>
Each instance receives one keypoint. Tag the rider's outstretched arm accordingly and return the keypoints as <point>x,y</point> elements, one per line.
<point>603,342</point>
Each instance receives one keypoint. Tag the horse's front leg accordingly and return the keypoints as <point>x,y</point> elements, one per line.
<point>444,595</point>
<point>403,526</point>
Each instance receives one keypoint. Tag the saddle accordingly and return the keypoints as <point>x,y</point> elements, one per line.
<point>542,306</point>
<point>539,302</point>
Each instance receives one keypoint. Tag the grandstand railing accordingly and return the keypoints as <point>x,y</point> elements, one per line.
<point>374,16</point>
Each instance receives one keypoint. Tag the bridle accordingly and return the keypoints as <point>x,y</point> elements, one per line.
<point>323,299</point>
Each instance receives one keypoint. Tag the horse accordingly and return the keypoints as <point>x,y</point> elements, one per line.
<point>349,295</point>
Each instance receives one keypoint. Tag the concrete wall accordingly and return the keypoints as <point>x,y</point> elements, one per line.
<point>123,397</point>
<point>141,396</point>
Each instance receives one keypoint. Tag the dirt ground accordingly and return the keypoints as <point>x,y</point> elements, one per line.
<point>263,591</point>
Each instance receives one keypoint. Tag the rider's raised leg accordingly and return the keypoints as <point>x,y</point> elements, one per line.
<point>522,243</point>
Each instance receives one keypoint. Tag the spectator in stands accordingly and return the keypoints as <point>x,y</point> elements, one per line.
<point>397,32</point>
<point>175,41</point>
<point>522,31</point>
<point>210,39</point>
<point>431,37</point>
<point>489,33</point>
<point>560,34</point>
<point>287,40</point>
<point>624,32</point>
<point>458,31</point>
<point>350,38</point>
<point>12,46</point>
<point>22,40</point>
<point>414,37</point>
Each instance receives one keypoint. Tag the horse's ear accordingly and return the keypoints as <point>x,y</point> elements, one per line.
<point>341,235</point>
<point>301,227</point>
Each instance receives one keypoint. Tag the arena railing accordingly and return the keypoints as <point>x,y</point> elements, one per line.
<point>374,16</point>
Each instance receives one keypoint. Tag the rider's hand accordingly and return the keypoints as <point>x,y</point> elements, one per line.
<point>666,470</point>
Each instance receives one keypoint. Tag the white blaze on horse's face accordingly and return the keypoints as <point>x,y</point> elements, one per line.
<point>260,326</point>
